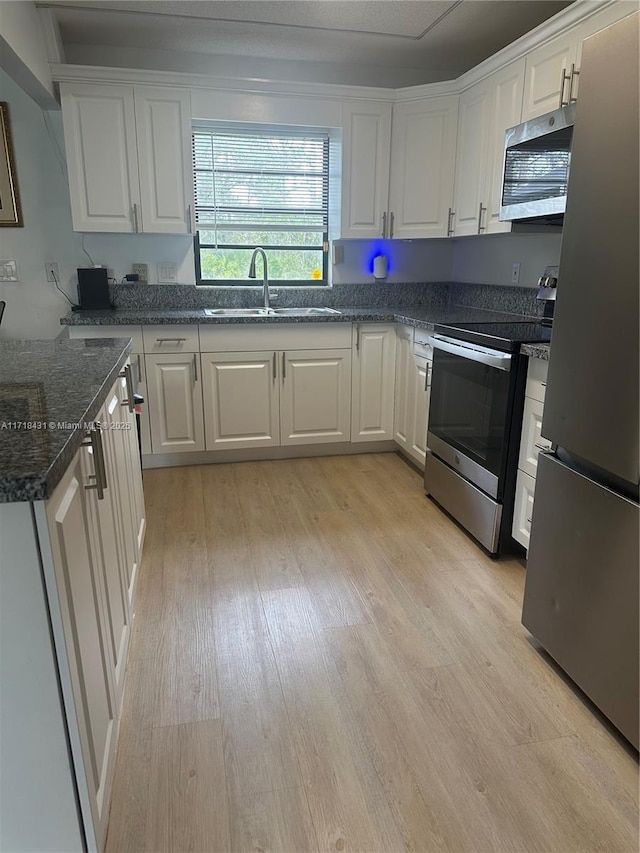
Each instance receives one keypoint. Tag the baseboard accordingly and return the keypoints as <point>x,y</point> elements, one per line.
<point>210,457</point>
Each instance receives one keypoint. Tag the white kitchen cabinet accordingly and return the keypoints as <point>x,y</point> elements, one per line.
<point>547,77</point>
<point>523,508</point>
<point>531,442</point>
<point>403,386</point>
<point>315,397</point>
<point>84,602</point>
<point>423,148</point>
<point>163,126</point>
<point>373,379</point>
<point>419,410</point>
<point>103,178</point>
<point>507,86</point>
<point>241,394</point>
<point>472,153</point>
<point>140,182</point>
<point>175,402</point>
<point>366,144</point>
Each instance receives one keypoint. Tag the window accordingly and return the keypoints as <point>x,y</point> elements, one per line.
<point>266,188</point>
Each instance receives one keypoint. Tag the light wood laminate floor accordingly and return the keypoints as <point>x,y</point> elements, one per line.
<point>322,661</point>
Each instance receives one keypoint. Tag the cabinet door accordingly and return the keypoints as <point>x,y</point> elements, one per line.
<point>175,403</point>
<point>106,517</point>
<point>403,386</point>
<point>544,83</point>
<point>100,139</point>
<point>82,602</point>
<point>523,508</point>
<point>507,87</point>
<point>532,441</point>
<point>471,159</point>
<point>163,124</point>
<point>241,400</point>
<point>315,400</point>
<point>423,148</point>
<point>366,148</point>
<point>374,356</point>
<point>419,410</point>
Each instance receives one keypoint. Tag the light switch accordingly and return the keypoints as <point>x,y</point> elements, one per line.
<point>167,272</point>
<point>8,271</point>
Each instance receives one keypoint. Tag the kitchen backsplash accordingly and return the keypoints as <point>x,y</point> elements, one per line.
<point>514,300</point>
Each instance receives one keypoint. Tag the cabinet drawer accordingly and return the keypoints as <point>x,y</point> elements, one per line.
<point>532,442</point>
<point>257,337</point>
<point>523,509</point>
<point>167,339</point>
<point>537,378</point>
<point>133,332</point>
<point>422,345</point>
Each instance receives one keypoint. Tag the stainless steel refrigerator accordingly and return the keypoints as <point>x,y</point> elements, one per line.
<point>581,595</point>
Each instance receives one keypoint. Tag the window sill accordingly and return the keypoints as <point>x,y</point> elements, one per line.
<point>255,287</point>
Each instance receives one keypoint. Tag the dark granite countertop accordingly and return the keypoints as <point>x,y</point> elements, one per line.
<point>536,350</point>
<point>54,384</point>
<point>424,318</point>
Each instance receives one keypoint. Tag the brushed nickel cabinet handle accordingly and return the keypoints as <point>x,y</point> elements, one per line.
<point>482,210</point>
<point>391,221</point>
<point>449,221</point>
<point>426,377</point>
<point>195,368</point>
<point>563,79</point>
<point>275,368</point>
<point>128,379</point>
<point>575,72</point>
<point>169,340</point>
<point>189,220</point>
<point>541,446</point>
<point>357,337</point>
<point>136,226</point>
<point>100,476</point>
<point>284,366</point>
<point>384,224</point>
<point>140,376</point>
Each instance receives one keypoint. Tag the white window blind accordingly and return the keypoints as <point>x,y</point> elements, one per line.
<point>269,189</point>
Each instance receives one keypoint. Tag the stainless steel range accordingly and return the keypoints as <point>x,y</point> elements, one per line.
<point>475,418</point>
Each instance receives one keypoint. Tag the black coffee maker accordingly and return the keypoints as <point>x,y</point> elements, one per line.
<point>547,289</point>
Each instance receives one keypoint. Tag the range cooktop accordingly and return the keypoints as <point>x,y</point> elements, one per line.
<point>502,336</point>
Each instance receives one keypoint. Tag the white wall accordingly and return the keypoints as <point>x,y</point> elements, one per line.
<point>409,260</point>
<point>489,259</point>
<point>23,52</point>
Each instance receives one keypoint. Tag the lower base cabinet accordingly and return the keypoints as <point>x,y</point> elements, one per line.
<point>419,410</point>
<point>272,398</point>
<point>413,390</point>
<point>175,402</point>
<point>241,400</point>
<point>523,508</point>
<point>373,380</point>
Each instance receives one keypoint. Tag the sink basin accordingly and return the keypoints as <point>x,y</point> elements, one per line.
<point>235,312</point>
<point>302,311</point>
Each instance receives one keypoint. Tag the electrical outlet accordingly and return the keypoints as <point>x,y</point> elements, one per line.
<point>167,272</point>
<point>141,270</point>
<point>515,274</point>
<point>337,254</point>
<point>8,271</point>
<point>51,270</point>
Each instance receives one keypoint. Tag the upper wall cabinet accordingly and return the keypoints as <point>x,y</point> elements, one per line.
<point>548,80</point>
<point>486,111</point>
<point>471,159</point>
<point>398,175</point>
<point>128,150</point>
<point>365,168</point>
<point>423,148</point>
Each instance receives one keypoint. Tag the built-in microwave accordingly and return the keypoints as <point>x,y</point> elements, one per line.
<point>537,157</point>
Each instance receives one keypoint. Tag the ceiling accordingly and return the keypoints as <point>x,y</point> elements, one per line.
<point>388,43</point>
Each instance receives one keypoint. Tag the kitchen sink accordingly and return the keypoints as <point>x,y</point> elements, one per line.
<point>236,312</point>
<point>267,312</point>
<point>302,311</point>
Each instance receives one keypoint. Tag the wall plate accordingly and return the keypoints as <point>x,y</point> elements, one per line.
<point>167,272</point>
<point>8,271</point>
<point>141,270</point>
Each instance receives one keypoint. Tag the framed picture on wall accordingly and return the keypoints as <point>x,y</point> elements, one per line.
<point>10,213</point>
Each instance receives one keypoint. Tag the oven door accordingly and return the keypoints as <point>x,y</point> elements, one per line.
<point>470,411</point>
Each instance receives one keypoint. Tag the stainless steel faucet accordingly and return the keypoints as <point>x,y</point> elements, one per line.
<point>265,274</point>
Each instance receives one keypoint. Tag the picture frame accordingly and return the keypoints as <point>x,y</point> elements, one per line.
<point>10,210</point>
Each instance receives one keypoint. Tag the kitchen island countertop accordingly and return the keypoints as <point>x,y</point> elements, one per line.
<point>48,391</point>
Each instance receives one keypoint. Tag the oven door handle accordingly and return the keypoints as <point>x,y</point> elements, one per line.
<point>492,358</point>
